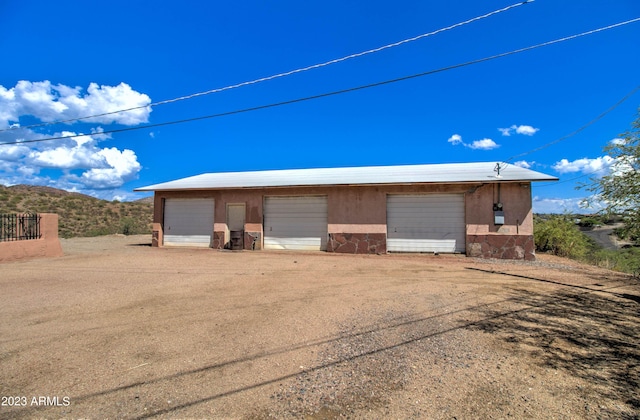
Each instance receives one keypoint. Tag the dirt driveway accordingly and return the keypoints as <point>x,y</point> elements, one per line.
<point>117,329</point>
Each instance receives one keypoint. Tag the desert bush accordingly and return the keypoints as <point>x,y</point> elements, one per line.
<point>99,231</point>
<point>626,260</point>
<point>559,236</point>
<point>589,222</point>
<point>127,226</point>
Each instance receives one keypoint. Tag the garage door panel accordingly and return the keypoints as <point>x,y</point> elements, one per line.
<point>432,210</point>
<point>295,223</point>
<point>426,223</point>
<point>187,240</point>
<point>293,243</point>
<point>422,245</point>
<point>188,222</point>
<point>419,232</point>
<point>292,230</point>
<point>308,217</point>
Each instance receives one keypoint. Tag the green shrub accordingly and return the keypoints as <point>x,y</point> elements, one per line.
<point>99,231</point>
<point>559,236</point>
<point>127,226</point>
<point>626,260</point>
<point>588,222</point>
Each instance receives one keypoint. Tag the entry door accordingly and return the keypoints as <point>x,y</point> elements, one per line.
<point>426,223</point>
<point>188,221</point>
<point>235,216</point>
<point>297,223</point>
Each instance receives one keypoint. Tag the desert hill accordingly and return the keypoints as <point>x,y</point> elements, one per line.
<point>79,214</point>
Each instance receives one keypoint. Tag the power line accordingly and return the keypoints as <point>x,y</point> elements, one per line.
<point>573,133</point>
<point>338,92</point>
<point>550,184</point>
<point>287,73</point>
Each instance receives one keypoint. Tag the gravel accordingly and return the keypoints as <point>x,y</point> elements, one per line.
<point>123,330</point>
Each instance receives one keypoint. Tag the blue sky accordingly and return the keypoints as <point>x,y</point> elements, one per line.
<point>69,59</point>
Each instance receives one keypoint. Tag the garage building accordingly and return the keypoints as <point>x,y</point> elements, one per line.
<point>480,209</point>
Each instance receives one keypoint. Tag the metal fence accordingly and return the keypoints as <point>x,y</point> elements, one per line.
<point>19,227</point>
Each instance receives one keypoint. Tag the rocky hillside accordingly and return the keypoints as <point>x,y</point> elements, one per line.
<point>79,214</point>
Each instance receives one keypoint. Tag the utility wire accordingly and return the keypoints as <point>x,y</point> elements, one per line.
<point>338,92</point>
<point>573,133</point>
<point>550,184</point>
<point>287,73</point>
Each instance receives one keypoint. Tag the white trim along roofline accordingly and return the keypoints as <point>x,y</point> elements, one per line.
<point>366,175</point>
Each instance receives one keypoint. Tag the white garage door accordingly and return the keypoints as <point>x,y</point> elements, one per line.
<point>188,221</point>
<point>298,223</point>
<point>426,223</point>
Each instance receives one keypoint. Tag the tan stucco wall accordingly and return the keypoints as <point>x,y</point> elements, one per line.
<point>362,210</point>
<point>47,246</point>
<point>357,210</point>
<point>518,214</point>
<point>354,209</point>
<point>511,240</point>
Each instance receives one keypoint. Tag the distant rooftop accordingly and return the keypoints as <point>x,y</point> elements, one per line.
<point>365,175</point>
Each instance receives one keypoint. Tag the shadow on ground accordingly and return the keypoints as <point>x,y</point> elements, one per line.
<point>591,334</point>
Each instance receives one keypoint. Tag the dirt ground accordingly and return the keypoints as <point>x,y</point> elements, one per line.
<point>117,329</point>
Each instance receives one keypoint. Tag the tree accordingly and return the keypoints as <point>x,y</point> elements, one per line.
<point>620,189</point>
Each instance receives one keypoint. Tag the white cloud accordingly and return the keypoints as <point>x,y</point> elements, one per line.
<point>99,168</point>
<point>566,205</point>
<point>599,165</point>
<point>38,99</point>
<point>113,98</point>
<point>27,171</point>
<point>524,164</point>
<point>8,107</point>
<point>123,166</point>
<point>83,166</point>
<point>48,102</point>
<point>618,142</point>
<point>455,139</point>
<point>484,144</point>
<point>526,130</point>
<point>13,152</point>
<point>103,167</point>
<point>97,134</point>
<point>65,158</point>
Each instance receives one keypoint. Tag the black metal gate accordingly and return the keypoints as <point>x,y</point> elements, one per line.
<point>19,227</point>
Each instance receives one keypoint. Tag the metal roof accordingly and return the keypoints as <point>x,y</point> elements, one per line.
<point>366,175</point>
